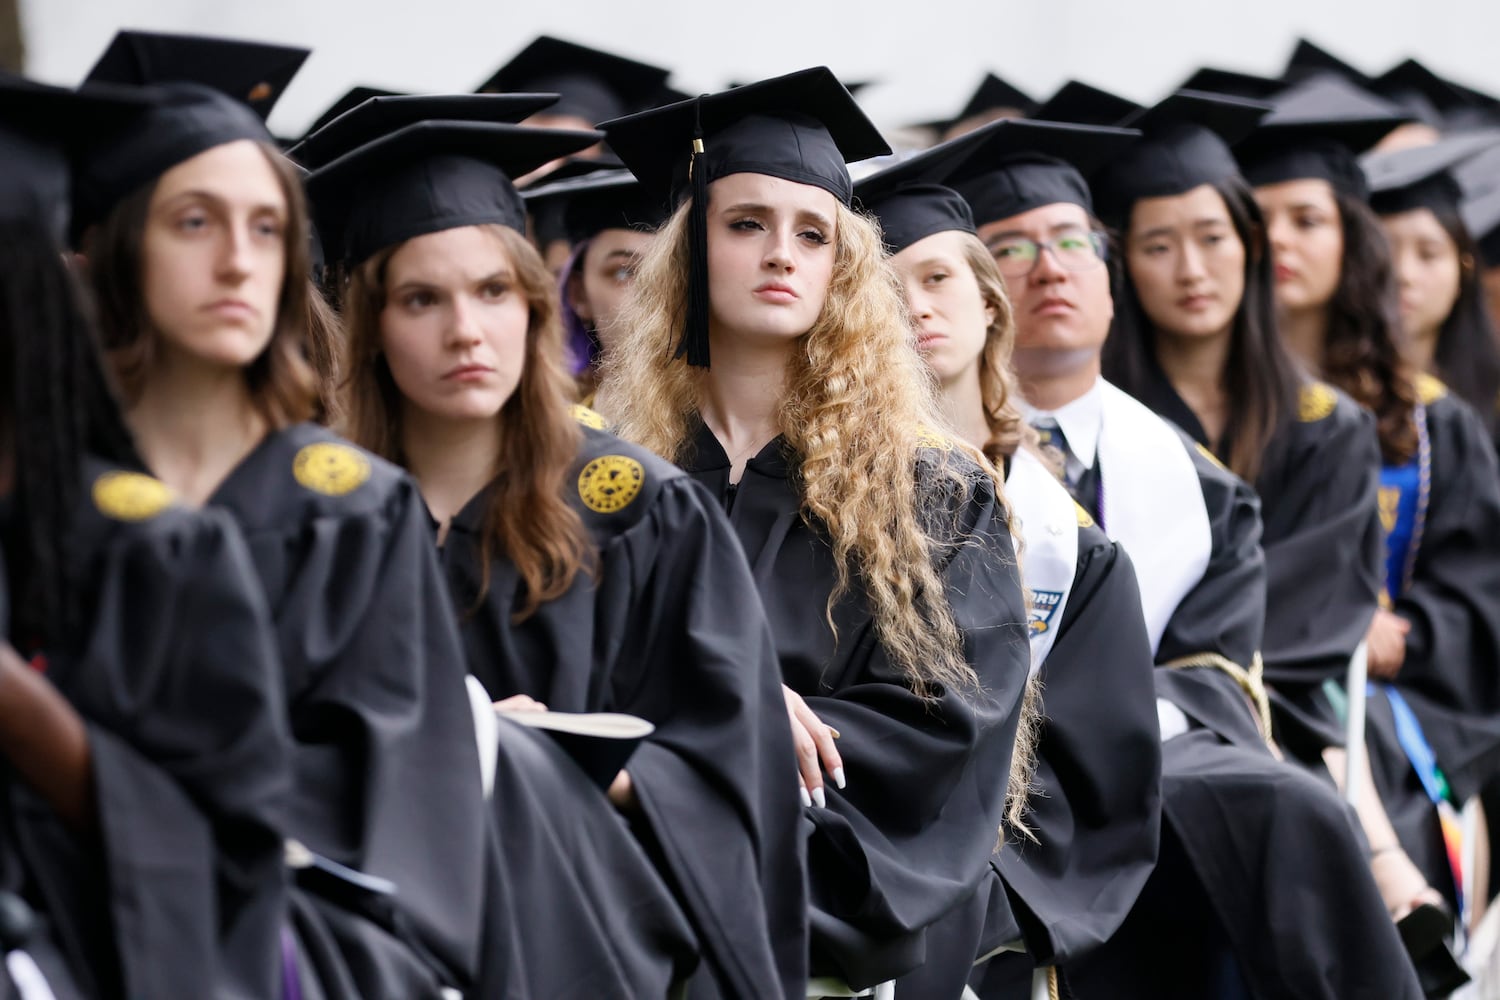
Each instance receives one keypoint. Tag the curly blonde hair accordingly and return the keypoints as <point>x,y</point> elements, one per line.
<point>858,406</point>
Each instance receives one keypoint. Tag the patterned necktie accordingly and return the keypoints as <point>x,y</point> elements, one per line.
<point>1053,439</point>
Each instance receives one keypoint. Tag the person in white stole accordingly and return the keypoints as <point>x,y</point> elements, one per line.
<point>1077,856</point>
<point>1237,846</point>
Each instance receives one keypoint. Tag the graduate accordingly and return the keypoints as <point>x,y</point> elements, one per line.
<point>1075,860</point>
<point>196,240</point>
<point>588,575</point>
<point>768,351</point>
<point>1448,331</point>
<point>140,848</point>
<point>1236,820</point>
<point>608,221</point>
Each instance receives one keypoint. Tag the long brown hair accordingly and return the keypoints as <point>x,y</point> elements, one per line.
<point>528,518</point>
<point>1363,354</point>
<point>283,386</point>
<point>856,402</point>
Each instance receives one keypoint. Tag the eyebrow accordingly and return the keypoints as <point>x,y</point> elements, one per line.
<point>754,208</point>
<point>1169,230</point>
<point>198,194</point>
<point>935,262</point>
<point>622,252</point>
<point>413,283</point>
<point>1018,234</point>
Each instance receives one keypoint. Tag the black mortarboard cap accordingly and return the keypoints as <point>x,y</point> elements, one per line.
<point>1316,130</point>
<point>256,73</point>
<point>1420,92</point>
<point>1423,177</point>
<point>607,198</point>
<point>594,85</point>
<point>802,127</point>
<point>428,177</point>
<point>1480,174</point>
<point>1310,60</point>
<point>1213,80</point>
<point>177,122</point>
<point>1186,144</point>
<point>993,93</point>
<point>1481,215</point>
<point>40,128</point>
<point>1010,166</point>
<point>1084,104</point>
<point>381,116</point>
<point>348,101</point>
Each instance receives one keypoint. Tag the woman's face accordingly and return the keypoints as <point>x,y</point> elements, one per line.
<point>214,255</point>
<point>948,309</point>
<point>1186,262</point>
<point>453,330</point>
<point>603,278</point>
<point>1306,236</point>
<point>771,250</point>
<point>1428,269</point>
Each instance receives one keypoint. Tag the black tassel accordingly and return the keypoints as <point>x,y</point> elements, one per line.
<point>694,343</point>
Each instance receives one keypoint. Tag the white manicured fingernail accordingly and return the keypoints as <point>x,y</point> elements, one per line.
<point>838,776</point>
<point>806,799</point>
<point>819,798</point>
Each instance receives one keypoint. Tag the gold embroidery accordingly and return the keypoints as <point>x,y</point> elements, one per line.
<point>1390,507</point>
<point>334,470</point>
<point>1430,389</point>
<point>131,496</point>
<point>929,438</point>
<point>1315,402</point>
<point>588,417</point>
<point>609,483</point>
<point>1210,456</point>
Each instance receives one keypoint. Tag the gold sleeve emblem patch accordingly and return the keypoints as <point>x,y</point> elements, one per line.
<point>1315,402</point>
<point>1429,389</point>
<point>334,470</point>
<point>1085,519</point>
<point>929,438</point>
<point>588,417</point>
<point>131,496</point>
<point>609,483</point>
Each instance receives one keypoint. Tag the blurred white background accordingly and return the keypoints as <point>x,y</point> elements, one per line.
<point>927,55</point>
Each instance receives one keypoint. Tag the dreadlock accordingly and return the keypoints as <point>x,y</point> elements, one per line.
<point>59,407</point>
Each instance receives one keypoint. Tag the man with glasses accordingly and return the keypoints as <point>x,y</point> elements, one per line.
<point>1247,840</point>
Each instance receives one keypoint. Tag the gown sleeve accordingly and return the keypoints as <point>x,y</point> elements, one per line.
<point>177,681</point>
<point>1095,813</point>
<point>910,837</point>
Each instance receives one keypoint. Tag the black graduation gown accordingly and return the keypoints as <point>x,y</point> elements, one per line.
<point>1095,812</point>
<point>670,629</point>
<point>910,837</point>
<point>1451,675</point>
<point>386,773</point>
<point>1323,549</point>
<point>175,676</point>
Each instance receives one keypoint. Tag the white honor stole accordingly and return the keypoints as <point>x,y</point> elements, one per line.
<point>1049,528</point>
<point>1152,504</point>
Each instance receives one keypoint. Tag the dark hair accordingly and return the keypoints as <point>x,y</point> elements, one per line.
<point>1362,352</point>
<point>1468,353</point>
<point>579,338</point>
<point>57,406</point>
<point>529,519</point>
<point>1260,377</point>
<point>281,381</point>
<point>325,353</point>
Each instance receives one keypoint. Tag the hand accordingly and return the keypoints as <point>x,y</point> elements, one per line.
<point>813,741</point>
<point>1387,644</point>
<point>622,791</point>
<point>519,703</point>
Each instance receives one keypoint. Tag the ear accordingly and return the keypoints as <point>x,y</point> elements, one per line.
<point>991,315</point>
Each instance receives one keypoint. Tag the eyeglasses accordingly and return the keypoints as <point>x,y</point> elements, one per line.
<point>1016,257</point>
